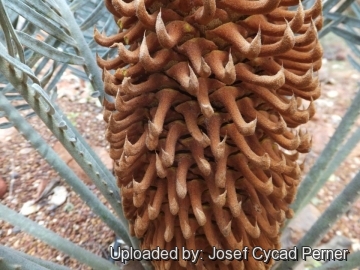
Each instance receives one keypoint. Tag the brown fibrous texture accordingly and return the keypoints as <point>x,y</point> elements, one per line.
<point>203,108</point>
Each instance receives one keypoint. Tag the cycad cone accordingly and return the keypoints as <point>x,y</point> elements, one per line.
<point>202,124</point>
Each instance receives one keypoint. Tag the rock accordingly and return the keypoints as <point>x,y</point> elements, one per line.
<point>79,172</point>
<point>104,156</point>
<point>16,230</point>
<point>355,244</point>
<point>297,229</point>
<point>337,242</point>
<point>68,159</point>
<point>14,175</point>
<point>29,208</point>
<point>25,151</point>
<point>3,188</point>
<point>59,196</point>
<point>332,94</point>
<point>6,133</point>
<point>299,226</point>
<point>340,56</point>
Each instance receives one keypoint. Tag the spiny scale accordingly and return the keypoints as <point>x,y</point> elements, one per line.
<point>203,129</point>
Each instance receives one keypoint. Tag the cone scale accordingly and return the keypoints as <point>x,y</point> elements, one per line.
<point>203,123</point>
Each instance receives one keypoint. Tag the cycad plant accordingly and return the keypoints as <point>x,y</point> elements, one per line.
<point>202,123</point>
<point>203,101</point>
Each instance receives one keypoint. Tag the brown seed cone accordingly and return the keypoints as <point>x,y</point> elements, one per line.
<point>207,99</point>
